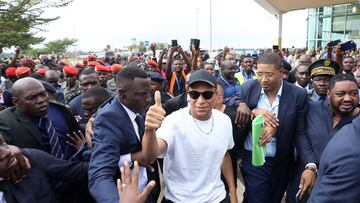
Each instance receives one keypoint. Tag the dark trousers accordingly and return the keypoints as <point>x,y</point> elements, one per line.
<point>294,183</point>
<point>260,185</point>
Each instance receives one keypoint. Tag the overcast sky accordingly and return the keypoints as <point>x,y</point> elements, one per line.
<point>235,23</point>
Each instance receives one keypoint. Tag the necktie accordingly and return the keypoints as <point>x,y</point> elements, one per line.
<point>140,123</point>
<point>7,194</point>
<point>54,140</point>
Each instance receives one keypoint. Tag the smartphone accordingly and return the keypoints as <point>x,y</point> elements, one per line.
<point>349,45</point>
<point>334,43</point>
<point>174,43</point>
<point>275,48</point>
<point>297,196</point>
<point>197,44</point>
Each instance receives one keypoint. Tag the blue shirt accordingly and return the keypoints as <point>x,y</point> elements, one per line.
<point>264,103</point>
<point>231,87</point>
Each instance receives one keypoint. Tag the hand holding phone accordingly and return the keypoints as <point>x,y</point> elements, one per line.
<point>297,196</point>
<point>174,43</point>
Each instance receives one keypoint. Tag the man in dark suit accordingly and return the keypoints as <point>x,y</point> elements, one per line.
<point>36,186</point>
<point>26,125</point>
<point>285,104</point>
<point>323,120</point>
<point>118,129</point>
<point>339,178</point>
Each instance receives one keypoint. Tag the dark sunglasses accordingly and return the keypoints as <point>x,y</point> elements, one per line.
<point>206,95</point>
<point>68,75</point>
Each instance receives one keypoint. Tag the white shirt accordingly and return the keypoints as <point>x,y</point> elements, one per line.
<point>192,160</point>
<point>127,157</point>
<point>2,198</point>
<point>307,88</point>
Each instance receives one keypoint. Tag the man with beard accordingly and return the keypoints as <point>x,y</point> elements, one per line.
<point>321,71</point>
<point>286,104</point>
<point>338,177</point>
<point>324,119</point>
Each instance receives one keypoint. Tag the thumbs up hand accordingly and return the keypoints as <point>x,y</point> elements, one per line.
<point>155,114</point>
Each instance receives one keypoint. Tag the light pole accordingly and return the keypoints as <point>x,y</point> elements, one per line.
<point>197,22</point>
<point>210,28</point>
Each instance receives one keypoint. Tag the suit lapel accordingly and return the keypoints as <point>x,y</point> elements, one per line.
<point>29,125</point>
<point>128,122</point>
<point>283,105</point>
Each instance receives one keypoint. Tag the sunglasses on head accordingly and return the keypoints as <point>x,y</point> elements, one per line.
<point>206,95</point>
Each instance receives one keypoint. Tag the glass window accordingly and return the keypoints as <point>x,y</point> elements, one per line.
<point>338,24</point>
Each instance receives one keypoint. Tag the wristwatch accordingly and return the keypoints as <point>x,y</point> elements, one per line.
<point>312,167</point>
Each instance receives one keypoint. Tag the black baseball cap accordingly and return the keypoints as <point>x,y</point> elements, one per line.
<point>202,76</point>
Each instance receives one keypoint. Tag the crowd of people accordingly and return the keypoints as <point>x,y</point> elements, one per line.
<point>106,129</point>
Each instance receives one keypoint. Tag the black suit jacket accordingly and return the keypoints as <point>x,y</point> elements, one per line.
<point>175,103</point>
<point>292,112</point>
<point>18,129</point>
<point>37,187</point>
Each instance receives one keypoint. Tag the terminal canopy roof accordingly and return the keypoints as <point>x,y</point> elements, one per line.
<point>283,6</point>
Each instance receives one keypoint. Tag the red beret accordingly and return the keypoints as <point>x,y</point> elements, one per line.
<point>79,65</point>
<point>70,70</point>
<point>93,63</point>
<point>91,57</point>
<point>101,68</point>
<point>64,63</point>
<point>116,67</point>
<point>101,62</point>
<point>10,72</point>
<point>22,71</point>
<point>42,71</point>
<point>151,62</point>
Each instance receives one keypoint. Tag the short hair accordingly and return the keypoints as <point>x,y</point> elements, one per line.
<point>99,93</point>
<point>87,71</point>
<point>203,64</point>
<point>347,56</point>
<point>339,78</point>
<point>129,74</point>
<point>245,56</point>
<point>270,58</point>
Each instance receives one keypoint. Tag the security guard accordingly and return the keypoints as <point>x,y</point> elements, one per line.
<point>321,71</point>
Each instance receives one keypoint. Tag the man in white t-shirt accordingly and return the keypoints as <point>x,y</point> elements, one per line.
<point>193,142</point>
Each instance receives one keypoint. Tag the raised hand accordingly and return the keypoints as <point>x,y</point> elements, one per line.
<point>128,186</point>
<point>155,114</point>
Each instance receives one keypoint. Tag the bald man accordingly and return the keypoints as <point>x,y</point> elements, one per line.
<point>35,123</point>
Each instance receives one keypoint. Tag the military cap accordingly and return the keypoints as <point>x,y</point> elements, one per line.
<point>69,70</point>
<point>323,67</point>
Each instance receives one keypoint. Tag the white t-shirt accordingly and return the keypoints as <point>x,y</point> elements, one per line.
<point>192,161</point>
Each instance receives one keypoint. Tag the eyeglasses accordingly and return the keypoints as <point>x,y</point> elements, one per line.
<point>206,95</point>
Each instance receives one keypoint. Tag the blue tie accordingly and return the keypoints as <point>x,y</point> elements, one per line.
<point>54,140</point>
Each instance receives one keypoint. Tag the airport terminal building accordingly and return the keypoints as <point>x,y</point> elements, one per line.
<point>332,23</point>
